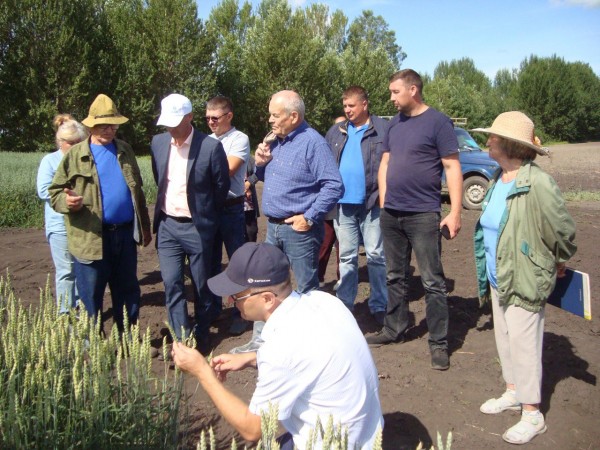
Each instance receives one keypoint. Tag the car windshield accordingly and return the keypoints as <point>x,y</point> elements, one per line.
<point>465,140</point>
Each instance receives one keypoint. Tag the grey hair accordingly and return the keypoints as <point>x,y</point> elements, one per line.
<point>71,131</point>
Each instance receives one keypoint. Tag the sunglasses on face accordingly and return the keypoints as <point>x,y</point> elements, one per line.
<point>214,118</point>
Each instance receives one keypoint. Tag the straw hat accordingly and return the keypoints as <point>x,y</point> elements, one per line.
<point>517,127</point>
<point>103,112</point>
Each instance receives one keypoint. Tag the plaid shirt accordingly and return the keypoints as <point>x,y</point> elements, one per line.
<point>302,177</point>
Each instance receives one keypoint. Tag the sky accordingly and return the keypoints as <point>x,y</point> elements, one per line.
<point>495,34</point>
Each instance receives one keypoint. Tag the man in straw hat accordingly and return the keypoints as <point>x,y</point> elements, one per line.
<point>98,186</point>
<point>192,175</point>
<point>328,371</point>
<point>418,144</point>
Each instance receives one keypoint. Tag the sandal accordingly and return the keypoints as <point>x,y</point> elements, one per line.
<point>497,405</point>
<point>527,428</point>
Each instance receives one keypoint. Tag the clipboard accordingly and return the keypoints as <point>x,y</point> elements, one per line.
<point>572,293</point>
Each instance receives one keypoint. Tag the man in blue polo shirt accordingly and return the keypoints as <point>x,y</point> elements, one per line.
<point>357,145</point>
<point>98,186</point>
<point>301,185</point>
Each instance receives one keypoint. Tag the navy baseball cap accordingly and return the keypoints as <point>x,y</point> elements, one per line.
<point>251,265</point>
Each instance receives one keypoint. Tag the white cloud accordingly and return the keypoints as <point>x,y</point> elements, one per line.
<point>584,3</point>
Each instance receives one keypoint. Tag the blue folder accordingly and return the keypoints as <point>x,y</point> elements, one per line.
<point>572,293</point>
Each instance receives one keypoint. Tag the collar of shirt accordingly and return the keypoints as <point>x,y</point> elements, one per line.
<point>282,310</point>
<point>303,126</point>
<point>224,135</point>
<point>354,129</point>
<point>186,143</point>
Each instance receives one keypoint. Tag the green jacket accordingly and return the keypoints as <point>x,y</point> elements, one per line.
<point>77,171</point>
<point>536,232</point>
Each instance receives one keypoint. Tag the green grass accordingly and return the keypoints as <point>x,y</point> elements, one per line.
<point>582,196</point>
<point>19,203</point>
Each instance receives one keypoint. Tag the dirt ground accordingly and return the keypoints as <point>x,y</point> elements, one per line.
<point>417,402</point>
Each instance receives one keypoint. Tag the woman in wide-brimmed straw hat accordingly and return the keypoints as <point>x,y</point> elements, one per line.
<point>522,241</point>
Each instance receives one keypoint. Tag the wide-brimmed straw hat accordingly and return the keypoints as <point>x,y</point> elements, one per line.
<point>103,112</point>
<point>517,127</point>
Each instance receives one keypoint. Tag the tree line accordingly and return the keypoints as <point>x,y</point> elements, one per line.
<point>57,55</point>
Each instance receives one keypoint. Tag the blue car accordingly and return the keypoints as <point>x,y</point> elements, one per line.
<point>477,169</point>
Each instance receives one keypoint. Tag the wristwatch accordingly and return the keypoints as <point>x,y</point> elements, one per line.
<point>309,222</point>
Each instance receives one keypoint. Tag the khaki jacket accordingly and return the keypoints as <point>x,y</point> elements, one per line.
<point>536,232</point>
<point>77,171</point>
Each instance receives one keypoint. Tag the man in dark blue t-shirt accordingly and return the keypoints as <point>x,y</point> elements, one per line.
<point>419,143</point>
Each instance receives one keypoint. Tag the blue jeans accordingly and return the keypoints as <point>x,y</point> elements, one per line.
<point>404,232</point>
<point>231,232</point>
<point>302,249</point>
<point>66,292</point>
<point>118,269</point>
<point>352,222</point>
<point>175,241</point>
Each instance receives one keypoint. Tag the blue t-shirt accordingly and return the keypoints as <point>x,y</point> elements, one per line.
<point>352,167</point>
<point>117,206</point>
<point>490,223</point>
<point>416,145</point>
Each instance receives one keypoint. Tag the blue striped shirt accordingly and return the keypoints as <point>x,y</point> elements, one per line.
<point>302,177</point>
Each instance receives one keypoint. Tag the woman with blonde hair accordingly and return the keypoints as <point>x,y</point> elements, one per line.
<point>522,241</point>
<point>68,133</point>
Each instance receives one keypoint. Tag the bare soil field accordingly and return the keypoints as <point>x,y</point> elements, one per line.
<point>417,401</point>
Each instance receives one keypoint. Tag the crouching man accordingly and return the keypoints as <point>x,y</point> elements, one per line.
<point>314,362</point>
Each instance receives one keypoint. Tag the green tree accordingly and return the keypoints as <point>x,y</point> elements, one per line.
<point>161,47</point>
<point>455,98</point>
<point>370,68</point>
<point>505,89</point>
<point>51,61</point>
<point>559,97</point>
<point>374,30</point>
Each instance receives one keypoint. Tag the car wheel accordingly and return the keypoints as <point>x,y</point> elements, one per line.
<point>474,189</point>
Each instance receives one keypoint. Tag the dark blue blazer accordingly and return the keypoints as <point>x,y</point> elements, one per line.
<point>207,179</point>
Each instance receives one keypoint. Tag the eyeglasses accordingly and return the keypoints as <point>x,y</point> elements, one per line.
<point>215,118</point>
<point>106,127</point>
<point>244,297</point>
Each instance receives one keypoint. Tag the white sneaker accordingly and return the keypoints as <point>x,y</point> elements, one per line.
<point>251,346</point>
<point>528,427</point>
<point>497,405</point>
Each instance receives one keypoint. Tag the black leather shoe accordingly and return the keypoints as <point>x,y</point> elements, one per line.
<point>439,359</point>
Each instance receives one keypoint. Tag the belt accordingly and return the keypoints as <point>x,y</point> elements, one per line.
<point>276,221</point>
<point>116,226</point>
<point>235,201</point>
<point>180,219</point>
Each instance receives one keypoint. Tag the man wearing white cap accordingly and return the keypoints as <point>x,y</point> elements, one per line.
<point>192,175</point>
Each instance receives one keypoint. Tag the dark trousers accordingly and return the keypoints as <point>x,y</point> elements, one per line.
<point>175,242</point>
<point>403,233</point>
<point>118,269</point>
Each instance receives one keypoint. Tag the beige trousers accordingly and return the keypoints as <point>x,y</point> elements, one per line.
<point>519,337</point>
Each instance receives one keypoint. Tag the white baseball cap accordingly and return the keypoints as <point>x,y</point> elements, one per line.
<point>172,109</point>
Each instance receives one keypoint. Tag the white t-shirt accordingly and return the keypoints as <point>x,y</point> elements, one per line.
<point>235,143</point>
<point>315,362</point>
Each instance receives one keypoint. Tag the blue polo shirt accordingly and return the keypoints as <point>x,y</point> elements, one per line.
<point>352,166</point>
<point>117,205</point>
